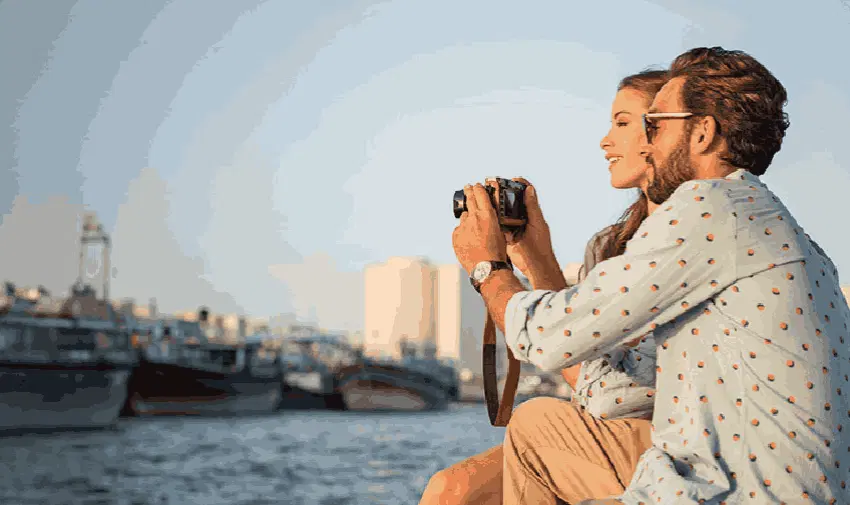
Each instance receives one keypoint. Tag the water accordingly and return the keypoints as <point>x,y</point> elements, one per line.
<point>323,458</point>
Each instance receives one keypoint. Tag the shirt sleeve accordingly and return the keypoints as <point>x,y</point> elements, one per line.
<point>683,254</point>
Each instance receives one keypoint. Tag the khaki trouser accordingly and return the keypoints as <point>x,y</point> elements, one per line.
<point>554,452</point>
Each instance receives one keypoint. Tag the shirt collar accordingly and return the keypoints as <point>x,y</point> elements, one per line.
<point>744,175</point>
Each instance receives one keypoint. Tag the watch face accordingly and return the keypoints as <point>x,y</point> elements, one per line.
<point>481,271</point>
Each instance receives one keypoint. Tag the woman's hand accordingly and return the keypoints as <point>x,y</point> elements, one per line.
<point>532,252</point>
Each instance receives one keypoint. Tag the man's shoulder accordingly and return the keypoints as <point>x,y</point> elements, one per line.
<point>731,199</point>
<point>702,193</point>
<point>693,206</point>
<point>698,208</point>
<point>767,233</point>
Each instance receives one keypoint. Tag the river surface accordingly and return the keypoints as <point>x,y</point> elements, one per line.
<point>294,457</point>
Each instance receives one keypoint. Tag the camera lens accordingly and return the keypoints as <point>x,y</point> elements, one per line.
<point>459,203</point>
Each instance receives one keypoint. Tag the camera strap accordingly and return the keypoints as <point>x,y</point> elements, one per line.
<point>499,412</point>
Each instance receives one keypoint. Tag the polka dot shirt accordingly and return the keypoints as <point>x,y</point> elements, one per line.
<point>621,383</point>
<point>750,328</point>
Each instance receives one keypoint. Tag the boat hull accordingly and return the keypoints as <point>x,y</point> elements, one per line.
<point>387,388</point>
<point>61,398</point>
<point>242,404</point>
<point>171,389</point>
<point>308,391</point>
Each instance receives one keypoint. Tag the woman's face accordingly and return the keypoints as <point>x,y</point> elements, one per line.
<point>622,143</point>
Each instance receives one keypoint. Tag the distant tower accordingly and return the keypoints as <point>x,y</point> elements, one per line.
<point>94,236</point>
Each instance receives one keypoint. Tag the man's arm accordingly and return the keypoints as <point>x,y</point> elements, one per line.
<point>679,258</point>
<point>497,292</point>
<point>550,276</point>
<point>505,284</point>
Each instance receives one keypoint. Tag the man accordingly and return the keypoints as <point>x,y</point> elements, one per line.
<point>745,308</point>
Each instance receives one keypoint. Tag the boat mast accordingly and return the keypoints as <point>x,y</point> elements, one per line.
<point>93,235</point>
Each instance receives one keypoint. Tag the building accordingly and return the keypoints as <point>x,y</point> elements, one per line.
<point>227,328</point>
<point>460,318</point>
<point>399,306</point>
<point>255,325</point>
<point>460,321</point>
<point>431,308</point>
<point>409,300</point>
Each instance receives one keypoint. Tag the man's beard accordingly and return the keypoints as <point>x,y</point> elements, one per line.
<point>676,170</point>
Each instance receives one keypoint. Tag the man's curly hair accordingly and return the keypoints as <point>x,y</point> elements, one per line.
<point>743,97</point>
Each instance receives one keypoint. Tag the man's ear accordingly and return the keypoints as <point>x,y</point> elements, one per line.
<point>704,135</point>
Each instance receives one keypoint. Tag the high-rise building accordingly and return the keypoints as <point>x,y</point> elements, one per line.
<point>411,303</point>
<point>432,309</point>
<point>460,319</point>
<point>399,306</point>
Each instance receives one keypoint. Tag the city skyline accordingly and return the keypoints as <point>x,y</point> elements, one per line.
<point>275,148</point>
<point>92,272</point>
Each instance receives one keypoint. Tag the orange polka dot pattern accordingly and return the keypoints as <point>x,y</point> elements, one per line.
<point>620,384</point>
<point>753,365</point>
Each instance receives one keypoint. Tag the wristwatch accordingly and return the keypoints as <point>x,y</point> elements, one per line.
<point>483,270</point>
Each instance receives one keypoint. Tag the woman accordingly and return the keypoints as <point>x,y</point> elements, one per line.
<point>620,385</point>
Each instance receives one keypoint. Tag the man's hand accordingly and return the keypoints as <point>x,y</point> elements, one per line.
<point>532,253</point>
<point>478,237</point>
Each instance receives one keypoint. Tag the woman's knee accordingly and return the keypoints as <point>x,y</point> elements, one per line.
<point>536,406</point>
<point>448,486</point>
<point>534,417</point>
<point>533,411</point>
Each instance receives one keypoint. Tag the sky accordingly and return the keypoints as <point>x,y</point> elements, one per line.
<point>254,155</point>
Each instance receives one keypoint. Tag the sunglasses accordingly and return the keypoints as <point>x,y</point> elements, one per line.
<point>649,128</point>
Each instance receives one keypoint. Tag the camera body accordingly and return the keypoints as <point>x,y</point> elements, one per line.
<point>507,197</point>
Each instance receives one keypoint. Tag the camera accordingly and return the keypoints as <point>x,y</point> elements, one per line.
<point>507,197</point>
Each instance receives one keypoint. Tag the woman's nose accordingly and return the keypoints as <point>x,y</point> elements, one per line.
<point>605,142</point>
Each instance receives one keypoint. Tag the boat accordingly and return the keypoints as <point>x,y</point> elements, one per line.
<point>363,383</point>
<point>64,363</point>
<point>410,384</point>
<point>308,382</point>
<point>390,386</point>
<point>181,372</point>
